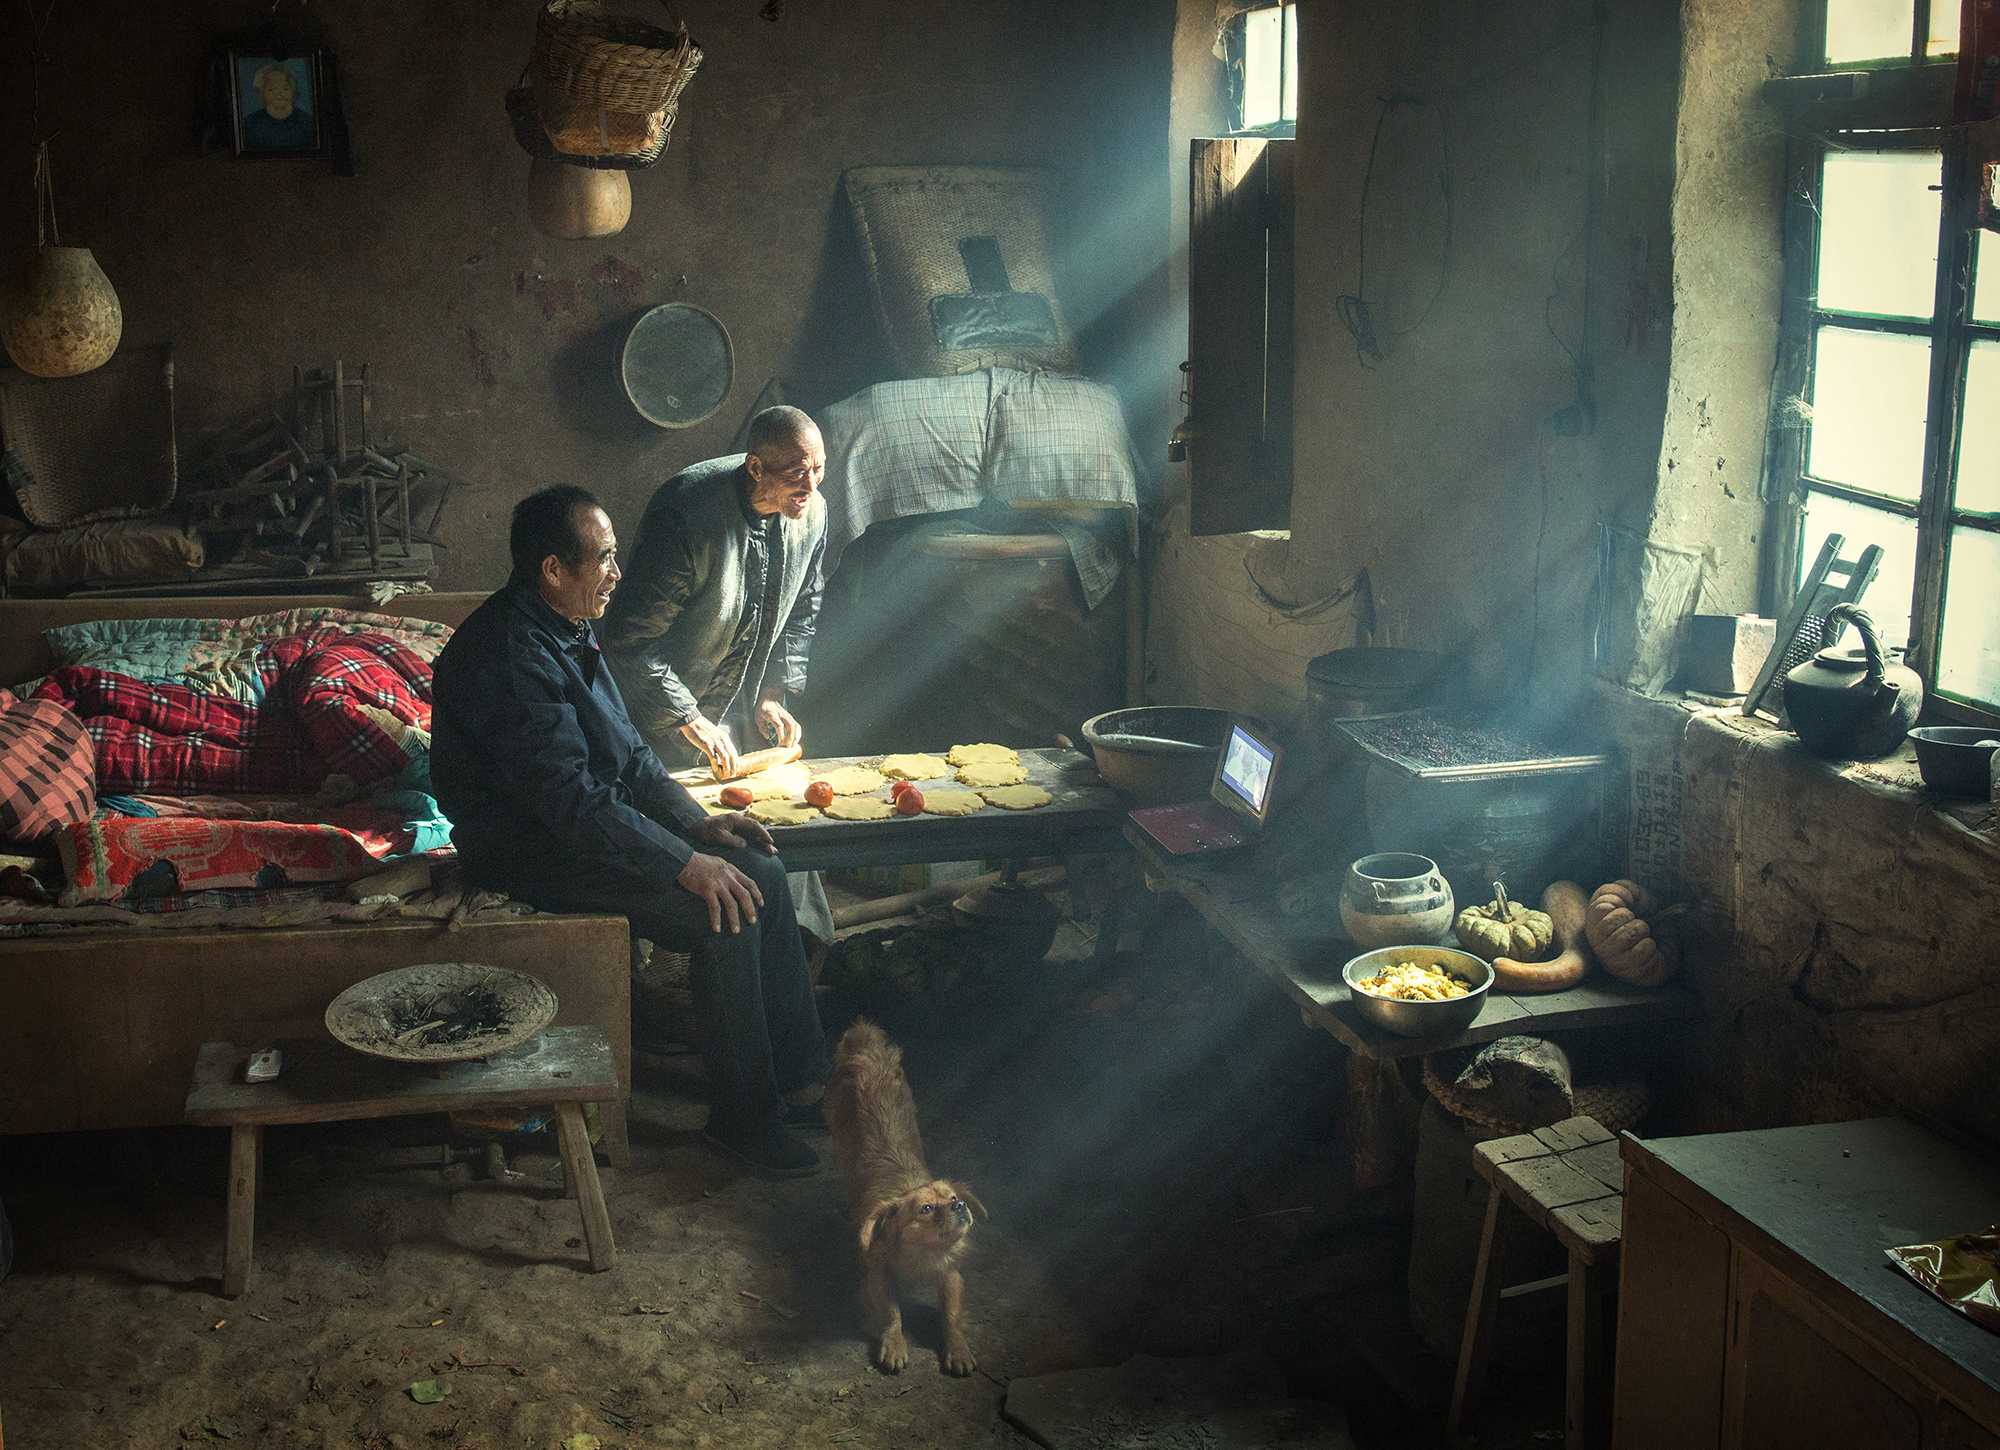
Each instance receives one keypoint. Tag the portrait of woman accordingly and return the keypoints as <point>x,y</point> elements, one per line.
<point>275,104</point>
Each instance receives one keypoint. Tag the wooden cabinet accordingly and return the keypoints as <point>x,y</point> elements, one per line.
<point>1757,1309</point>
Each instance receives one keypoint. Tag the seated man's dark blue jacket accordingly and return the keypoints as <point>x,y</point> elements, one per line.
<point>535,762</point>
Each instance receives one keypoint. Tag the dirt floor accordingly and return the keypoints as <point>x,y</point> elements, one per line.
<point>1117,1126</point>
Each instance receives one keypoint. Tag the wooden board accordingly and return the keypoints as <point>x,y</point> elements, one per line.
<point>1821,1203</point>
<point>323,1081</point>
<point>101,1030</point>
<point>1083,815</point>
<point>1305,954</point>
<point>1673,1292</point>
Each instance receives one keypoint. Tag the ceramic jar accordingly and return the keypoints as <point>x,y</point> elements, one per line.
<point>1851,704</point>
<point>1394,899</point>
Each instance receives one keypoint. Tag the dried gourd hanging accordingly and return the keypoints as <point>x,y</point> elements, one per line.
<point>58,316</point>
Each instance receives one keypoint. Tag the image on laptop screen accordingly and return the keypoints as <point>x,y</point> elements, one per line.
<point>1246,768</point>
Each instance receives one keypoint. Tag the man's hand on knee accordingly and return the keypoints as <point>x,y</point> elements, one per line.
<point>732,829</point>
<point>729,893</point>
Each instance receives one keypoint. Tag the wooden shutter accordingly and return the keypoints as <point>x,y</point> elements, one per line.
<point>1240,334</point>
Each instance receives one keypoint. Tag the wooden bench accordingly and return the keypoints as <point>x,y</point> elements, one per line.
<point>322,1081</point>
<point>1566,1178</point>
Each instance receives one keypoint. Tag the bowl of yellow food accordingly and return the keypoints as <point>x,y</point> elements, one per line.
<point>1416,991</point>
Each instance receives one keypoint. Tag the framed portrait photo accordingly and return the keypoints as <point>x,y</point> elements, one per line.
<point>275,104</point>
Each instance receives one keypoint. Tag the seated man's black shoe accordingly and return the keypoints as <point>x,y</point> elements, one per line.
<point>772,1149</point>
<point>807,1117</point>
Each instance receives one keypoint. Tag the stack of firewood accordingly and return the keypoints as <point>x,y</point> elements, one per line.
<point>312,493</point>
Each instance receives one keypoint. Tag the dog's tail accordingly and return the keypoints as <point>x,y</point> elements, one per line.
<point>864,1042</point>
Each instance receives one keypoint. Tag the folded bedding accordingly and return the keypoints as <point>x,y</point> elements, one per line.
<point>334,702</point>
<point>115,858</point>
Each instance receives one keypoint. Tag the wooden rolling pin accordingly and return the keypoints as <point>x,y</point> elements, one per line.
<point>758,760</point>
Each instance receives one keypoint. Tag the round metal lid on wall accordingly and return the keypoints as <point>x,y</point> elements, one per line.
<point>678,365</point>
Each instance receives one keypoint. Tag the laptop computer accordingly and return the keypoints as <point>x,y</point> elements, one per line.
<point>1238,803</point>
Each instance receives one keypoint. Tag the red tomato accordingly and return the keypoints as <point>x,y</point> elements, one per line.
<point>736,797</point>
<point>896,790</point>
<point>910,802</point>
<point>819,794</point>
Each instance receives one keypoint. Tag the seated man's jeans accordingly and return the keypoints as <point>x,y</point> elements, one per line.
<point>756,1017</point>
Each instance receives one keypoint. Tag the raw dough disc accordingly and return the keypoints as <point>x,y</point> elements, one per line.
<point>1017,797</point>
<point>952,802</point>
<point>860,808</point>
<point>855,780</point>
<point>782,813</point>
<point>982,755</point>
<point>780,782</point>
<point>985,774</point>
<point>912,767</point>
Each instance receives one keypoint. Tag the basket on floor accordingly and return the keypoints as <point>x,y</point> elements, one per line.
<point>611,62</point>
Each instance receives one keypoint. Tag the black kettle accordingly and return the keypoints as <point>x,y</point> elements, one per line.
<point>1849,704</point>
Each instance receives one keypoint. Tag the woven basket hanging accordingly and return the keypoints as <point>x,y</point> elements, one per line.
<point>611,62</point>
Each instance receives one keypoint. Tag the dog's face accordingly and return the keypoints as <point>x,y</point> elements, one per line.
<point>927,1223</point>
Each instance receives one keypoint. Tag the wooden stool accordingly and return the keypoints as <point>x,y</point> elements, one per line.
<point>1568,1179</point>
<point>323,1081</point>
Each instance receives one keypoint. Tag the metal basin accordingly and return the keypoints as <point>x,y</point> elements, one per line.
<point>1420,1019</point>
<point>1145,753</point>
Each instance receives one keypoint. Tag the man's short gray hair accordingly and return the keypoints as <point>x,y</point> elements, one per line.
<point>777,425</point>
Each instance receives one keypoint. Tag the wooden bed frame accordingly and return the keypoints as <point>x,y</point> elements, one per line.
<point>99,1027</point>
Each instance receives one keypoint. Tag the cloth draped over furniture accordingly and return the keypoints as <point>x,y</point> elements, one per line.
<point>939,445</point>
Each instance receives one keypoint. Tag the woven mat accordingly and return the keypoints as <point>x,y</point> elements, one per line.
<point>911,220</point>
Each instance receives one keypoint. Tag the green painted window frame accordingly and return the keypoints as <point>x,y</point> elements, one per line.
<point>1950,330</point>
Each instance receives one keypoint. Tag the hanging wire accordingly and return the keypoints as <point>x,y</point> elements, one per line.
<point>45,201</point>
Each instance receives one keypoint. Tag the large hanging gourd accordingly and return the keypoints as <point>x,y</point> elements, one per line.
<point>575,202</point>
<point>59,315</point>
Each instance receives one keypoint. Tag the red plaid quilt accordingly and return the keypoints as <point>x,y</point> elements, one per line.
<point>45,769</point>
<point>351,704</point>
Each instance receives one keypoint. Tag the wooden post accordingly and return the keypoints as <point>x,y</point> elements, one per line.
<point>239,1263</point>
<point>1586,1406</point>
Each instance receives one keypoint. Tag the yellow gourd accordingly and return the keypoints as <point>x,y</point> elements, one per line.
<point>1503,928</point>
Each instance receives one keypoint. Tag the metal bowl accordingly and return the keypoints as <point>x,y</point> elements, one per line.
<point>1419,1019</point>
<point>1158,755</point>
<point>1952,759</point>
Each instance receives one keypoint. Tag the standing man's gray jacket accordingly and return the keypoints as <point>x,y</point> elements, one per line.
<point>716,603</point>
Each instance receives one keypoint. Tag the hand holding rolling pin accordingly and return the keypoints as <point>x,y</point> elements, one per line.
<point>713,741</point>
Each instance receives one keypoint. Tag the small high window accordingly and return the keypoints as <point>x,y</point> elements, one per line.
<point>1263,48</point>
<point>1890,32</point>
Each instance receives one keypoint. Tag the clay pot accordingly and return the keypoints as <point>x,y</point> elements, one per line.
<point>1395,899</point>
<point>59,316</point>
<point>575,202</point>
<point>1851,704</point>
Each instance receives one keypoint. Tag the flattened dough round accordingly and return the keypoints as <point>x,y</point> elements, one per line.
<point>780,782</point>
<point>982,755</point>
<point>782,813</point>
<point>952,802</point>
<point>982,774</point>
<point>860,808</point>
<point>1017,797</point>
<point>913,767</point>
<point>855,780</point>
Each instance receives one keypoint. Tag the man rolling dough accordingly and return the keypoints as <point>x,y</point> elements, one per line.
<point>710,632</point>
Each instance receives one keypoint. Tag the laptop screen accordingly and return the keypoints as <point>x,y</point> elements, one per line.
<point>1246,769</point>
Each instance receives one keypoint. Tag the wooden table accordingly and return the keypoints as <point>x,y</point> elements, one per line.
<point>1085,816</point>
<point>1304,954</point>
<point>1757,1307</point>
<point>324,1081</point>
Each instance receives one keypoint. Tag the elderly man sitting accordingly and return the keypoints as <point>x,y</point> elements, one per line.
<point>556,800</point>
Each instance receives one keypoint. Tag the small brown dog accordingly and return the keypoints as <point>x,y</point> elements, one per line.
<point>911,1224</point>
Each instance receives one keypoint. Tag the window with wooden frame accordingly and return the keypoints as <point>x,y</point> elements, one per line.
<point>1886,428</point>
<point>1262,44</point>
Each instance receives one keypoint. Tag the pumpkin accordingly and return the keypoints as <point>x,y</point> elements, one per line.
<point>575,202</point>
<point>1616,926</point>
<point>1503,928</point>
